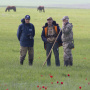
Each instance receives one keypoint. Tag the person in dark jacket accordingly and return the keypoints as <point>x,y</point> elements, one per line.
<point>49,34</point>
<point>25,35</point>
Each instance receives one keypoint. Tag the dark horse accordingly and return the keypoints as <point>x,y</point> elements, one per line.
<point>40,8</point>
<point>10,7</point>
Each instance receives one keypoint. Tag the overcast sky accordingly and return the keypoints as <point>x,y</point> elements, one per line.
<point>41,2</point>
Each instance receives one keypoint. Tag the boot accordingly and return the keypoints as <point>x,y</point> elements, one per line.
<point>70,63</point>
<point>22,59</point>
<point>66,63</point>
<point>21,62</point>
<point>30,62</point>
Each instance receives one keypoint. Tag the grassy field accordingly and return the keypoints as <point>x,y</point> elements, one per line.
<point>13,76</point>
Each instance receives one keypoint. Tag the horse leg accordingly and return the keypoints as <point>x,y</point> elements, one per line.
<point>14,10</point>
<point>43,10</point>
<point>6,10</point>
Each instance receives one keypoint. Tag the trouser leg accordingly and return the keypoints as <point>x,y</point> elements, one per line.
<point>67,55</point>
<point>48,48</point>
<point>71,60</point>
<point>56,54</point>
<point>30,55</point>
<point>23,51</point>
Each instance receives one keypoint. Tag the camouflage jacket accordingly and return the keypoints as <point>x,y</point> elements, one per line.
<point>67,33</point>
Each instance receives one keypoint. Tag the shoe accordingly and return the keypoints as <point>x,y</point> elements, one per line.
<point>30,62</point>
<point>70,63</point>
<point>21,62</point>
<point>66,63</point>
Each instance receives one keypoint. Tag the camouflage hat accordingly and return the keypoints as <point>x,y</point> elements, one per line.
<point>65,18</point>
<point>49,18</point>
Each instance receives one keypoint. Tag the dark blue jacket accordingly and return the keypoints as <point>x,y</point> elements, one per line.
<point>45,38</point>
<point>25,34</point>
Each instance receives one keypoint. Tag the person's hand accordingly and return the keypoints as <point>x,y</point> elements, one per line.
<point>50,40</point>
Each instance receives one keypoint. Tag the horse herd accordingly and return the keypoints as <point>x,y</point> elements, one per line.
<point>40,8</point>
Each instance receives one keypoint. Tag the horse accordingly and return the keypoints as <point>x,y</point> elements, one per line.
<point>40,8</point>
<point>10,7</point>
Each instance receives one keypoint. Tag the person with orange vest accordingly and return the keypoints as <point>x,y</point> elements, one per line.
<point>49,34</point>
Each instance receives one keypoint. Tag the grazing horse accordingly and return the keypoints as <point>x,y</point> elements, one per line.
<point>10,7</point>
<point>40,8</point>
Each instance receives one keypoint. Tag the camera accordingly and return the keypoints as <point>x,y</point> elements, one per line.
<point>30,36</point>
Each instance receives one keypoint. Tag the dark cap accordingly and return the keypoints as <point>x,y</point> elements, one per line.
<point>49,18</point>
<point>27,17</point>
<point>65,18</point>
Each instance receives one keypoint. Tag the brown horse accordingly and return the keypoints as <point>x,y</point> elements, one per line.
<point>40,8</point>
<point>10,7</point>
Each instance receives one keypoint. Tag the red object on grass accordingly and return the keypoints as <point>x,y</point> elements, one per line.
<point>84,58</point>
<point>51,82</point>
<point>57,81</point>
<point>37,85</point>
<point>86,78</point>
<point>80,87</point>
<point>45,87</point>
<point>51,76</point>
<point>41,75</point>
<point>6,89</point>
<point>42,86</point>
<point>68,74</point>
<point>89,83</point>
<point>61,82</point>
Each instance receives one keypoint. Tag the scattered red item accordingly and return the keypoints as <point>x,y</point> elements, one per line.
<point>6,89</point>
<point>51,76</point>
<point>45,87</point>
<point>51,82</point>
<point>89,83</point>
<point>80,87</point>
<point>61,82</point>
<point>42,86</point>
<point>37,85</point>
<point>84,58</point>
<point>68,74</point>
<point>86,78</point>
<point>57,81</point>
<point>41,75</point>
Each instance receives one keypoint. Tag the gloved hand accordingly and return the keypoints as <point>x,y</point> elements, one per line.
<point>50,40</point>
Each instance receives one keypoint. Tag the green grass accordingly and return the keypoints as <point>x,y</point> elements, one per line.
<point>13,76</point>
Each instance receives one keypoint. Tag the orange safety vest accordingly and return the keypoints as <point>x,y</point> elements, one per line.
<point>46,29</point>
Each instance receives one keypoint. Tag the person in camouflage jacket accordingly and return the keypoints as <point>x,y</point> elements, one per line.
<point>67,38</point>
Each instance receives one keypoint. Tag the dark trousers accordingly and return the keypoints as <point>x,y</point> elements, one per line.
<point>56,53</point>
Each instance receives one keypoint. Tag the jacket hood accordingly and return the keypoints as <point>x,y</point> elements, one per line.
<point>54,23</point>
<point>23,20</point>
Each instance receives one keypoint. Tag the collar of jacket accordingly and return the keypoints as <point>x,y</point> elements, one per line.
<point>54,23</point>
<point>66,23</point>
